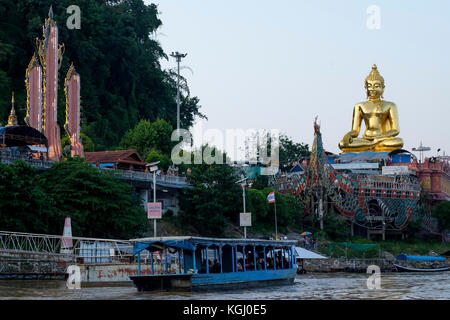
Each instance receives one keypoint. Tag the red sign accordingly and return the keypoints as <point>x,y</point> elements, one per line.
<point>154,210</point>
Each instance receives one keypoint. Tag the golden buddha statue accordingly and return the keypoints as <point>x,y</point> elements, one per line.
<point>380,118</point>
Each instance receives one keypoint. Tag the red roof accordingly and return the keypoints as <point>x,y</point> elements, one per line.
<point>129,156</point>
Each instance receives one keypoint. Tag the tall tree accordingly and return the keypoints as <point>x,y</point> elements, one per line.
<point>214,199</point>
<point>119,62</point>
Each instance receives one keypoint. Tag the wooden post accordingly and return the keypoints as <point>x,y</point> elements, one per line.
<point>243,254</point>
<point>139,263</point>
<point>233,260</point>
<point>151,261</point>
<point>265,263</point>
<point>207,261</point>
<point>220,259</point>
<point>254,258</point>
<point>193,254</point>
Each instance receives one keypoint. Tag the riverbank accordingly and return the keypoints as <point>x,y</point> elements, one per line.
<point>310,286</point>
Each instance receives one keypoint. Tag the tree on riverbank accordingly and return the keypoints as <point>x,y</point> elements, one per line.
<point>115,52</point>
<point>100,206</point>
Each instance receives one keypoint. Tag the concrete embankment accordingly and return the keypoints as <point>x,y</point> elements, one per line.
<point>345,265</point>
<point>36,265</point>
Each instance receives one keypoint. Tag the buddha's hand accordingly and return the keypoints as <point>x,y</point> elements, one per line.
<point>348,139</point>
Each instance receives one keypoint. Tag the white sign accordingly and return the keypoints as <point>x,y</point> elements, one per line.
<point>246,219</point>
<point>385,170</point>
<point>154,210</point>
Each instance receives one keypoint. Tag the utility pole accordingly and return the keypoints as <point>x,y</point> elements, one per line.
<point>178,56</point>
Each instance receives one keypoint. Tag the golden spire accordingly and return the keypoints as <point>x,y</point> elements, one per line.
<point>375,75</point>
<point>12,119</point>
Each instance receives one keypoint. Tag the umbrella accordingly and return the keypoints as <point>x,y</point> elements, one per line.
<point>306,233</point>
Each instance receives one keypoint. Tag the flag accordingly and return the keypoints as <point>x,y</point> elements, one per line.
<point>271,197</point>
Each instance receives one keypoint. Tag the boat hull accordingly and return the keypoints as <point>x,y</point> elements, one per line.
<point>409,269</point>
<point>214,281</point>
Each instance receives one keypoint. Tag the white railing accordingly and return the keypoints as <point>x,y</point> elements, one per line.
<point>84,250</point>
<point>37,163</point>
<point>127,174</point>
<point>146,176</point>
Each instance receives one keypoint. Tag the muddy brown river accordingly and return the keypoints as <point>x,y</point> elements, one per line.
<point>339,286</point>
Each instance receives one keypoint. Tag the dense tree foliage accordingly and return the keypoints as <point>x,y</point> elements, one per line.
<point>214,199</point>
<point>88,145</point>
<point>146,136</point>
<point>100,206</point>
<point>291,152</point>
<point>115,54</point>
<point>288,211</point>
<point>442,213</point>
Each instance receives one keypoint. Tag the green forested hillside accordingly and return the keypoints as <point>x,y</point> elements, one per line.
<point>119,62</point>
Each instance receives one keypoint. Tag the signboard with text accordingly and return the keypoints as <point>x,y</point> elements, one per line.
<point>246,219</point>
<point>154,210</point>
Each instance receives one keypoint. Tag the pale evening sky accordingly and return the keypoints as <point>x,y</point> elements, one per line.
<point>277,64</point>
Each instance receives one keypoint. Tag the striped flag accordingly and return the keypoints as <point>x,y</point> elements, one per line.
<point>271,197</point>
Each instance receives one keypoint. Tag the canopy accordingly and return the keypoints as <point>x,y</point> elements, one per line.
<point>306,254</point>
<point>190,243</point>
<point>419,258</point>
<point>152,245</point>
<point>354,246</point>
<point>21,136</point>
<point>37,149</point>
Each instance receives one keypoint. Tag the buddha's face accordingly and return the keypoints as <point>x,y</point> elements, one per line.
<point>374,89</point>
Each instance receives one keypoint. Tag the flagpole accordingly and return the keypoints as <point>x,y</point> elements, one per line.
<point>275,206</point>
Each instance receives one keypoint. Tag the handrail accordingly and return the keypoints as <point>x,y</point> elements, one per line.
<point>135,175</point>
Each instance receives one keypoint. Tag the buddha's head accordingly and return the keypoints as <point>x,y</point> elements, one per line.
<point>374,84</point>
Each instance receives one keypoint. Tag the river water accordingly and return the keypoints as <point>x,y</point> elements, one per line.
<point>308,286</point>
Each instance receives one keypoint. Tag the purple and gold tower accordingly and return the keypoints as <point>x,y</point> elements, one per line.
<point>50,54</point>
<point>33,82</point>
<point>72,125</point>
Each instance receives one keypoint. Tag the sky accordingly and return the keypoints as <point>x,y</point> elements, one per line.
<point>279,64</point>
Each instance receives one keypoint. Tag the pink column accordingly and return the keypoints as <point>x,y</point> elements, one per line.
<point>33,81</point>
<point>72,126</point>
<point>51,128</point>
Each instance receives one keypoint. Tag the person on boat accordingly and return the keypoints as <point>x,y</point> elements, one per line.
<point>270,263</point>
<point>240,264</point>
<point>259,264</point>
<point>285,263</point>
<point>216,267</point>
<point>203,267</point>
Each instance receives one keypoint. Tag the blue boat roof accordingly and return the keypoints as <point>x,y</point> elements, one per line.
<point>419,258</point>
<point>190,242</point>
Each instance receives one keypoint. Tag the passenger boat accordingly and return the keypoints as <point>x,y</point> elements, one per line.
<point>402,263</point>
<point>213,263</point>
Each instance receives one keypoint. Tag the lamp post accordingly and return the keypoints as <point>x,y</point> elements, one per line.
<point>153,167</point>
<point>243,183</point>
<point>178,56</point>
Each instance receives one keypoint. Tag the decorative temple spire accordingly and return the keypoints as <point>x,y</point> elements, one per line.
<point>12,119</point>
<point>50,12</point>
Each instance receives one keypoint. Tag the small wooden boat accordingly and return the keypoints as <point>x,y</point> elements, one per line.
<point>405,267</point>
<point>401,268</point>
<point>212,263</point>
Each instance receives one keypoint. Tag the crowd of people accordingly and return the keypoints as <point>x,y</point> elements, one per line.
<point>280,263</point>
<point>308,243</point>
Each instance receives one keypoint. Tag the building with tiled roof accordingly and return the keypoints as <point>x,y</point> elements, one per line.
<point>117,159</point>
